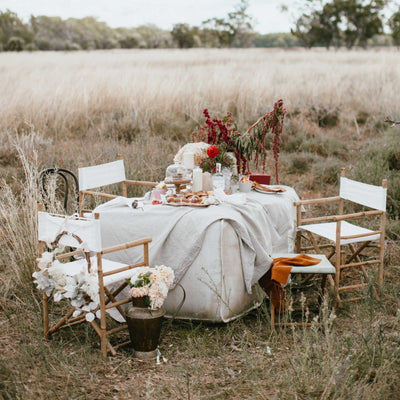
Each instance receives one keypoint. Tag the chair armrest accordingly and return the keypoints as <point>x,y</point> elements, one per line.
<point>316,201</point>
<point>358,215</point>
<point>141,183</point>
<point>125,246</point>
<point>100,194</point>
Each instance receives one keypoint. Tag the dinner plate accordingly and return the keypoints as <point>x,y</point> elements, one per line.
<point>269,190</point>
<point>187,204</point>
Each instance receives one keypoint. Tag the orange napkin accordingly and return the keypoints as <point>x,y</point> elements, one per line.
<point>278,275</point>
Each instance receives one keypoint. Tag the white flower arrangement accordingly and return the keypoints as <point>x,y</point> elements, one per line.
<point>198,149</point>
<point>153,282</point>
<point>81,288</point>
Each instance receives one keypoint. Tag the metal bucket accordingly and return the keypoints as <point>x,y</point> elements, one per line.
<point>144,327</point>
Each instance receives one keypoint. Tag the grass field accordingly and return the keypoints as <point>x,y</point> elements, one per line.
<point>65,108</point>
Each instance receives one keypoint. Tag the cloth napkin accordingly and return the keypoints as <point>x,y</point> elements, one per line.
<point>277,276</point>
<point>120,201</point>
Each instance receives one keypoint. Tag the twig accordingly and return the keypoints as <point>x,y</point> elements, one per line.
<point>394,123</point>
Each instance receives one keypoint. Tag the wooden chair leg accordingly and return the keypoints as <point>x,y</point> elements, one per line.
<point>272,315</point>
<point>46,326</point>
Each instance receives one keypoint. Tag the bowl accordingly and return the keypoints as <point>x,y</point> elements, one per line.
<point>245,187</point>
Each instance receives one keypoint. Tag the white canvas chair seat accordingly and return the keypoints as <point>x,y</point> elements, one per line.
<point>349,243</point>
<point>75,267</point>
<point>327,230</point>
<point>91,295</point>
<point>101,175</point>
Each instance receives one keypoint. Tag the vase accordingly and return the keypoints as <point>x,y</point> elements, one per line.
<point>144,325</point>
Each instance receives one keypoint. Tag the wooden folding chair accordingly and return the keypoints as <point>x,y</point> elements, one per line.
<point>85,257</point>
<point>349,244</point>
<point>104,175</point>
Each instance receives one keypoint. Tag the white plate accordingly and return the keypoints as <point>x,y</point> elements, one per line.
<point>272,191</point>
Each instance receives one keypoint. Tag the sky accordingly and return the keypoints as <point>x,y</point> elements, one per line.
<point>267,14</point>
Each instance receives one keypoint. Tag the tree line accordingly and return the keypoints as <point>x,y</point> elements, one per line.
<point>320,23</point>
<point>346,23</point>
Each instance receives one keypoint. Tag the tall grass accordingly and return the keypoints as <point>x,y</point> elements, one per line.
<point>59,109</point>
<point>158,91</point>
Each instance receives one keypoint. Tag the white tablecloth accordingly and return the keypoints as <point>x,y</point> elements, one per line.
<point>218,253</point>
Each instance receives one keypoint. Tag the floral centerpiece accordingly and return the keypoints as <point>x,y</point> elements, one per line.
<point>250,145</point>
<point>152,284</point>
<point>216,154</point>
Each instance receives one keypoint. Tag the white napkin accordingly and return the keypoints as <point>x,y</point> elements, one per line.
<point>120,201</point>
<point>236,198</point>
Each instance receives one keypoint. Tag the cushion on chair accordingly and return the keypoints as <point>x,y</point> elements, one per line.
<point>328,231</point>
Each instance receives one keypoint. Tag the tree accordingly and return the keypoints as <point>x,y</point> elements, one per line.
<point>13,32</point>
<point>337,22</point>
<point>394,24</point>
<point>184,35</point>
<point>235,30</point>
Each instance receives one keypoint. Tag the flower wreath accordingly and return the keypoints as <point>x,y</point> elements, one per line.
<point>82,288</point>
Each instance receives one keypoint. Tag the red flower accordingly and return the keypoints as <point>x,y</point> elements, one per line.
<point>212,151</point>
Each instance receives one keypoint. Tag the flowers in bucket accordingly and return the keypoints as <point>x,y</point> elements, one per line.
<point>151,283</point>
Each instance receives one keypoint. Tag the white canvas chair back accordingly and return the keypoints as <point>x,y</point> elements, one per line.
<point>88,230</point>
<point>363,193</point>
<point>101,175</point>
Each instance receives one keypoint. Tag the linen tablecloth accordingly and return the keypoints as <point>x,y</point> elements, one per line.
<point>218,252</point>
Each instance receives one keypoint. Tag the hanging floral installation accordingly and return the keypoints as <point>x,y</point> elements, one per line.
<point>251,145</point>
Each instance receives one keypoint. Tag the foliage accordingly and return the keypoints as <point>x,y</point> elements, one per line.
<point>185,36</point>
<point>394,24</point>
<point>234,30</point>
<point>282,40</point>
<point>13,32</point>
<point>340,22</point>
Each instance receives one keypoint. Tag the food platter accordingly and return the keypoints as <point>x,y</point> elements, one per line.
<point>187,205</point>
<point>268,189</point>
<point>190,199</point>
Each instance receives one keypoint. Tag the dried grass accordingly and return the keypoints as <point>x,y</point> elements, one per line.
<point>59,109</point>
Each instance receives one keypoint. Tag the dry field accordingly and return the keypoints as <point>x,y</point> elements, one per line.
<point>59,109</point>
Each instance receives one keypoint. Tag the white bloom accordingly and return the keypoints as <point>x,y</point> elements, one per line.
<point>45,261</point>
<point>91,287</point>
<point>77,303</point>
<point>43,282</point>
<point>76,313</point>
<point>196,149</point>
<point>90,317</point>
<point>58,296</point>
<point>166,274</point>
<point>158,293</point>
